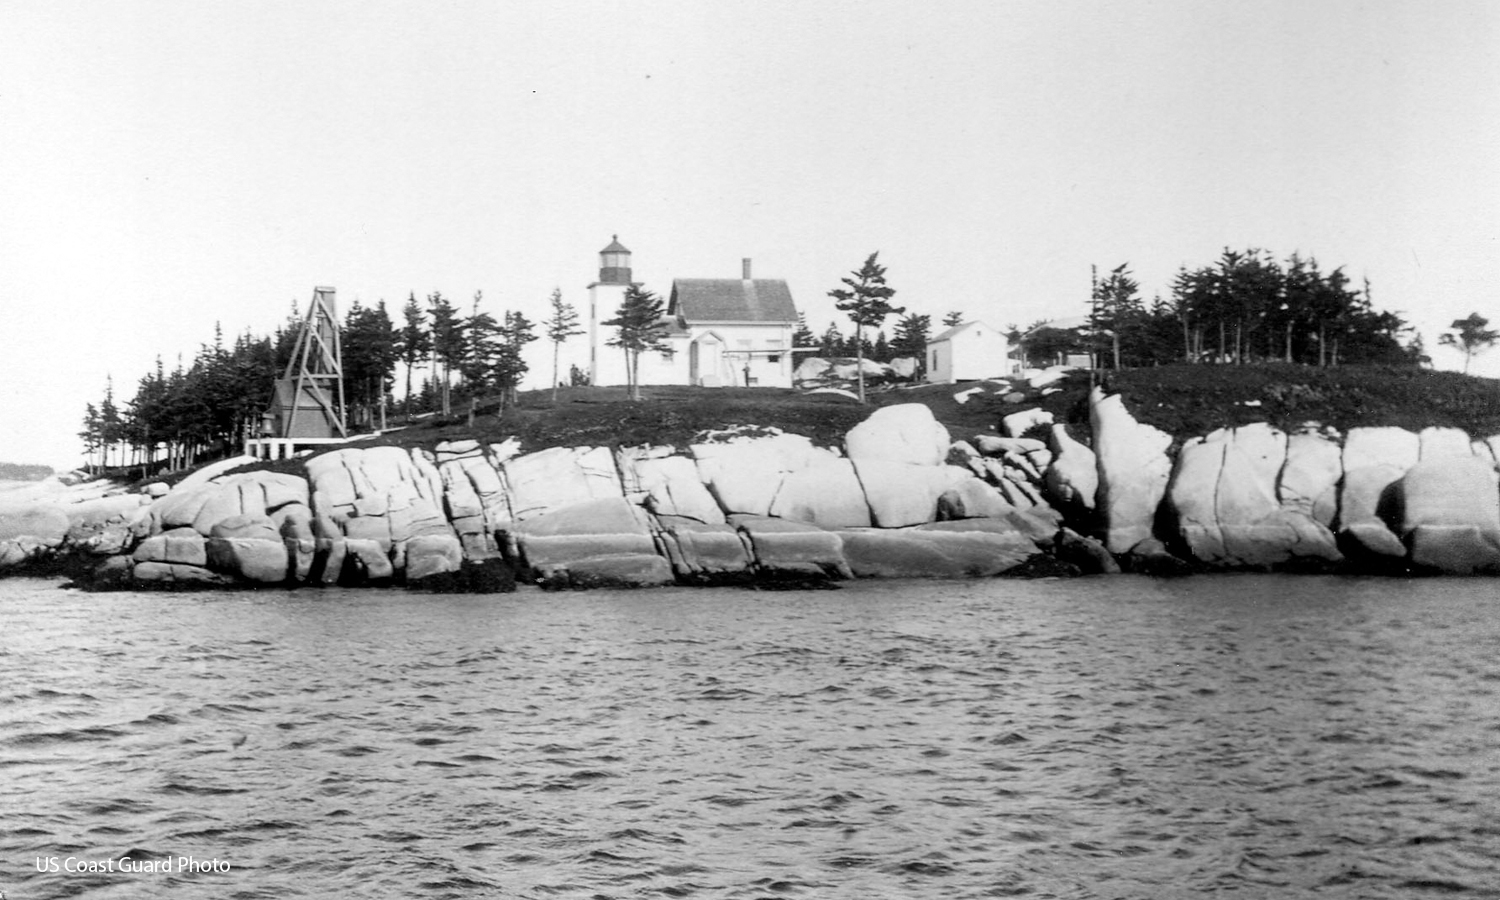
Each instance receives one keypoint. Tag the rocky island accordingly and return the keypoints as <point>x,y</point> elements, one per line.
<point>898,496</point>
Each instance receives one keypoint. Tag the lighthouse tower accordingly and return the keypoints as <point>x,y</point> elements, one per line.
<point>607,364</point>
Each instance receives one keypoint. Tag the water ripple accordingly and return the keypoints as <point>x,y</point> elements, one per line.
<point>1261,736</point>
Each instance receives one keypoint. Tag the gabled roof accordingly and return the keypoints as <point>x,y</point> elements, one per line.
<point>731,300</point>
<point>964,326</point>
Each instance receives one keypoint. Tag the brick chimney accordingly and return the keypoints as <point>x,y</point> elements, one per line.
<point>745,265</point>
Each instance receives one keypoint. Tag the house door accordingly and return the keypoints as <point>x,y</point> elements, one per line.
<point>703,361</point>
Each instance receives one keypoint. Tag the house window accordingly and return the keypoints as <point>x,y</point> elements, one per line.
<point>773,358</point>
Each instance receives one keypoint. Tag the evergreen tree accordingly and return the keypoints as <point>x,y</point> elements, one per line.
<point>562,325</point>
<point>866,298</point>
<point>481,349</point>
<point>831,344</point>
<point>911,334</point>
<point>638,327</point>
<point>1470,336</point>
<point>91,435</point>
<point>953,319</point>
<point>510,363</point>
<point>414,342</point>
<point>370,354</point>
<point>803,336</point>
<point>1115,312</point>
<point>448,346</point>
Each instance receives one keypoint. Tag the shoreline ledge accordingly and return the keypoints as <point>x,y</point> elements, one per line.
<point>758,507</point>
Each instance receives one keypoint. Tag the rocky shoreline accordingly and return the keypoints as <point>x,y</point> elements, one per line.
<point>758,507</point>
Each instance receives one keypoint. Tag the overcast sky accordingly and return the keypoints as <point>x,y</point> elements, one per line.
<point>166,166</point>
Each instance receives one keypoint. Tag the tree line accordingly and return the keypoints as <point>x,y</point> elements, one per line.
<point>1246,306</point>
<point>206,406</point>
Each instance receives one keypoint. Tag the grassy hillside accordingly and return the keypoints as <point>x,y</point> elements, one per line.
<point>1182,400</point>
<point>1190,400</point>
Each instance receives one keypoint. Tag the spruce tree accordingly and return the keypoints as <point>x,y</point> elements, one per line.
<point>866,298</point>
<point>562,325</point>
<point>638,327</point>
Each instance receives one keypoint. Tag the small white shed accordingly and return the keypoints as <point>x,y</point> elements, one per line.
<point>967,352</point>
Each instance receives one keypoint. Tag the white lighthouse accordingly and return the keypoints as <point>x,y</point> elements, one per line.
<point>607,364</point>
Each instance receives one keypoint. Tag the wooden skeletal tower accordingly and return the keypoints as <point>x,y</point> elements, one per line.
<point>309,399</point>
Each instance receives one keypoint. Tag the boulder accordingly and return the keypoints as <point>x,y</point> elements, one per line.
<point>14,552</point>
<point>282,490</point>
<point>458,492</point>
<point>1382,446</point>
<point>1073,477</point>
<point>827,493</point>
<point>994,445</point>
<point>603,542</point>
<point>89,516</point>
<point>970,498</point>
<point>904,433</point>
<point>930,553</point>
<point>636,570</point>
<point>111,540</point>
<point>166,574</point>
<point>224,502</point>
<point>1434,442</point>
<point>295,526</point>
<point>744,473</point>
<point>960,453</point>
<point>246,527</point>
<point>181,507</point>
<point>365,562</point>
<point>1224,493</point>
<point>812,368</point>
<point>558,477</point>
<point>369,528</point>
<point>1087,554</point>
<point>705,554</point>
<point>425,478</point>
<point>450,450</point>
<point>796,551</point>
<point>259,560</point>
<point>1366,500</point>
<point>1133,471</point>
<point>672,488</point>
<point>43,524</point>
<point>109,574</point>
<point>332,482</point>
<point>482,576</point>
<point>1450,514</point>
<point>181,546</point>
<point>417,517</point>
<point>432,554</point>
<point>1310,477</point>
<point>205,474</point>
<point>1194,484</point>
<point>1150,557</point>
<point>1374,460</point>
<point>328,560</point>
<point>1017,424</point>
<point>902,494</point>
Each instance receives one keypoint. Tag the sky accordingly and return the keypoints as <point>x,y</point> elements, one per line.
<point>167,166</point>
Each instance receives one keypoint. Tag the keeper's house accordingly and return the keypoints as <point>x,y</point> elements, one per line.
<point>719,332</point>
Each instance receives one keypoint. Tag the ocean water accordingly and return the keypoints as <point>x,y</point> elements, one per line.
<point>1253,736</point>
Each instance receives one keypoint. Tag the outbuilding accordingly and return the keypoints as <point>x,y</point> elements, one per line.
<point>967,352</point>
